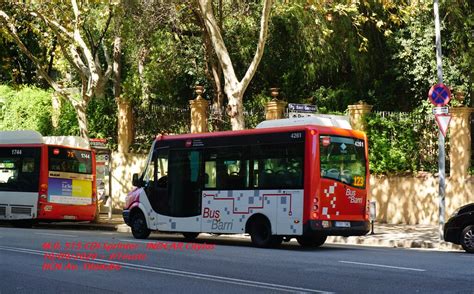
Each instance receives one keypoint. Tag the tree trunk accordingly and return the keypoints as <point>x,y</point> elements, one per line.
<point>56,104</point>
<point>81,107</point>
<point>125,125</point>
<point>233,87</point>
<point>235,110</point>
<point>142,57</point>
<point>125,115</point>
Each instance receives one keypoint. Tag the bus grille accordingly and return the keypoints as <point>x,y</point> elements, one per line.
<point>3,210</point>
<point>21,210</point>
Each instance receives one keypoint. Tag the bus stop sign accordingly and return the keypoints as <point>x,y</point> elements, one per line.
<point>439,95</point>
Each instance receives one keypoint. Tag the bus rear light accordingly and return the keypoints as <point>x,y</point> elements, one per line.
<point>315,207</point>
<point>43,192</point>
<point>315,215</point>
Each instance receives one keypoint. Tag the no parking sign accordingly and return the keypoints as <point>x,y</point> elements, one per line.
<point>439,94</point>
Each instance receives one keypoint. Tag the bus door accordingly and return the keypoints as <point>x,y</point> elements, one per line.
<point>175,193</point>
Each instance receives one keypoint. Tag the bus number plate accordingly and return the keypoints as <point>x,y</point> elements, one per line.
<point>343,224</point>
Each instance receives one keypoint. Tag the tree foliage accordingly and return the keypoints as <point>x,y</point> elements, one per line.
<point>328,53</point>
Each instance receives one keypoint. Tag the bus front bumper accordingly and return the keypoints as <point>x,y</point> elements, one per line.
<point>336,228</point>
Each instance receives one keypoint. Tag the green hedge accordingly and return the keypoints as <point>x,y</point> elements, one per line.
<point>25,108</point>
<point>403,142</point>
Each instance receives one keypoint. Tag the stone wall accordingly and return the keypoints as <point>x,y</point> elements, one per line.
<point>414,200</point>
<point>123,167</point>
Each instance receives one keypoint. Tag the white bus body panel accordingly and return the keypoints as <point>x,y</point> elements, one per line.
<point>18,205</point>
<point>227,212</point>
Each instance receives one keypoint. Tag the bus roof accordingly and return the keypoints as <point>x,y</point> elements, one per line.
<point>328,120</point>
<point>20,137</point>
<point>69,141</point>
<point>291,128</point>
<point>34,137</point>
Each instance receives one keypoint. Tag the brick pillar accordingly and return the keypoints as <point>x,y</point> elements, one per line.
<point>357,113</point>
<point>274,108</point>
<point>199,108</point>
<point>460,142</point>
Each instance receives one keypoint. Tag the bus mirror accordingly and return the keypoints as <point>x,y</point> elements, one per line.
<point>136,181</point>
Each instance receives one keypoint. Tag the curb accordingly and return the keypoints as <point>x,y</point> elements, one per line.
<point>393,243</point>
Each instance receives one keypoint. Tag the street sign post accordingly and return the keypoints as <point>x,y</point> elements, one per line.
<point>439,95</point>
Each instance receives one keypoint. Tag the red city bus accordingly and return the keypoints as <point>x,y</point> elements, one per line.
<point>46,178</point>
<point>305,181</point>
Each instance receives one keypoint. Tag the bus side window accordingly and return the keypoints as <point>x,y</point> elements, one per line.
<point>232,171</point>
<point>210,174</point>
<point>28,165</point>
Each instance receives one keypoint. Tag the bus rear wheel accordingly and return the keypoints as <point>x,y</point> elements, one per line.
<point>261,234</point>
<point>24,223</point>
<point>311,241</point>
<point>138,225</point>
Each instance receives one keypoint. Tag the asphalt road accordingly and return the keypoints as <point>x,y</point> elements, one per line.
<point>60,261</point>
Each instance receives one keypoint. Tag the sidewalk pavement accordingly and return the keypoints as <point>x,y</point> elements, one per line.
<point>385,235</point>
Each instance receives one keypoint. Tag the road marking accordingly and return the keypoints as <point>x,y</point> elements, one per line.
<point>59,235</point>
<point>385,266</point>
<point>167,271</point>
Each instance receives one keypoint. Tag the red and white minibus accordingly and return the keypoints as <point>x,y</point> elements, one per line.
<point>303,179</point>
<point>46,178</point>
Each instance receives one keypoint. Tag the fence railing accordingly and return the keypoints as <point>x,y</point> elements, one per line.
<point>423,134</point>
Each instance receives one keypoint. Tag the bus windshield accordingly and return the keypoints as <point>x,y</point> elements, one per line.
<point>343,159</point>
<point>69,160</point>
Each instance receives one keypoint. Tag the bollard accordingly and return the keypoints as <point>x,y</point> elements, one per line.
<point>372,215</point>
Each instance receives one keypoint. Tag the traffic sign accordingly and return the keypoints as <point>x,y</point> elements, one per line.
<point>296,110</point>
<point>443,122</point>
<point>441,110</point>
<point>302,108</point>
<point>439,94</point>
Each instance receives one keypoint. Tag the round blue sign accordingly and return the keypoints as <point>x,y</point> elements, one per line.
<point>439,94</point>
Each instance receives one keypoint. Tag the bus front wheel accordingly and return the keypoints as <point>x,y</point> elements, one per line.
<point>138,225</point>
<point>190,236</point>
<point>261,234</point>
<point>311,241</point>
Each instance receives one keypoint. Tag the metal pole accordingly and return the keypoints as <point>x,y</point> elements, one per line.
<point>110,185</point>
<point>441,151</point>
